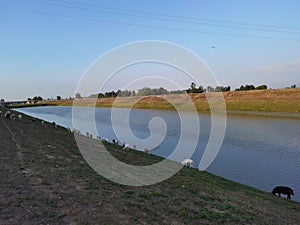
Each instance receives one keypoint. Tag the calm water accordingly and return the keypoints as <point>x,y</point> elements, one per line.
<point>258,151</point>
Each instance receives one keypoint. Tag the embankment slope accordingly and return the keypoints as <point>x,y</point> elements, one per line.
<point>279,100</point>
<point>45,180</point>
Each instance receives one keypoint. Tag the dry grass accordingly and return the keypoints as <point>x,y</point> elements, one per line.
<point>281,100</point>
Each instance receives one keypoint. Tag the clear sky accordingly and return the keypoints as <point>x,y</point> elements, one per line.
<point>47,45</point>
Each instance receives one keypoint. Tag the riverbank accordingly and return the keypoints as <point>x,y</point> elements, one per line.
<point>279,100</point>
<point>46,180</point>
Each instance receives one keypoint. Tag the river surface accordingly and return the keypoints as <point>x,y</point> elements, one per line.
<point>260,151</point>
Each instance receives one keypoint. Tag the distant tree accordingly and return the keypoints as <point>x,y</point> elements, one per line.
<point>58,97</point>
<point>78,96</point>
<point>193,88</point>
<point>144,91</point>
<point>218,89</point>
<point>37,98</point>
<point>101,95</point>
<point>293,86</point>
<point>93,96</point>
<point>228,88</point>
<point>262,87</point>
<point>246,88</point>
<point>210,89</point>
<point>178,92</point>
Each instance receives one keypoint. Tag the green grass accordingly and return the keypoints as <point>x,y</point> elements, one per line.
<point>60,188</point>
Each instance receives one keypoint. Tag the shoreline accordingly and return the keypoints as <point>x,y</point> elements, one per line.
<point>279,102</point>
<point>292,115</point>
<point>59,187</point>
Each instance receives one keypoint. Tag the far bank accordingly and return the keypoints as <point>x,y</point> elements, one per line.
<point>276,101</point>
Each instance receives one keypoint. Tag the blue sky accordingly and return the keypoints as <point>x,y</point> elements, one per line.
<point>46,46</point>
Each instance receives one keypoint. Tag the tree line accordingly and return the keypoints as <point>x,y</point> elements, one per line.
<point>146,91</point>
<point>251,87</point>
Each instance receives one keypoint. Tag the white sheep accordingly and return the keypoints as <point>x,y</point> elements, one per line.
<point>75,131</point>
<point>13,116</point>
<point>188,163</point>
<point>115,141</point>
<point>42,122</point>
<point>20,117</point>
<point>105,139</point>
<point>126,147</point>
<point>146,150</point>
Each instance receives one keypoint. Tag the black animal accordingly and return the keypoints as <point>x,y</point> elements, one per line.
<point>283,190</point>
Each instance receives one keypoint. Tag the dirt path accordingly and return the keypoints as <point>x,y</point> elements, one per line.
<point>14,207</point>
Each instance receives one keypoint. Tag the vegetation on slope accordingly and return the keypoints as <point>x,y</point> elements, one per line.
<point>44,179</point>
<point>281,100</point>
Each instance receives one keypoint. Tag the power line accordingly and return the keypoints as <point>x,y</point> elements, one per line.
<point>147,26</point>
<point>143,14</point>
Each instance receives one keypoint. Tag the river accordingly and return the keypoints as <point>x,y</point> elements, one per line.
<point>260,151</point>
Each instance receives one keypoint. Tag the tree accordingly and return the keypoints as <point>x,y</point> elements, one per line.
<point>194,89</point>
<point>210,89</point>
<point>262,87</point>
<point>58,98</point>
<point>37,98</point>
<point>246,88</point>
<point>101,95</point>
<point>78,96</point>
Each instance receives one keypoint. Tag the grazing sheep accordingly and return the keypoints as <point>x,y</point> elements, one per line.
<point>20,117</point>
<point>188,163</point>
<point>7,114</point>
<point>75,131</point>
<point>105,139</point>
<point>126,147</point>
<point>134,147</point>
<point>283,190</point>
<point>13,116</point>
<point>115,141</point>
<point>42,122</point>
<point>146,150</point>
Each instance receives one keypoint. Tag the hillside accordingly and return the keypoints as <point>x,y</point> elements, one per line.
<point>280,100</point>
<point>45,180</point>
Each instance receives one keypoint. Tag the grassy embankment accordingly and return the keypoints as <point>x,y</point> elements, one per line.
<point>42,184</point>
<point>281,100</point>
